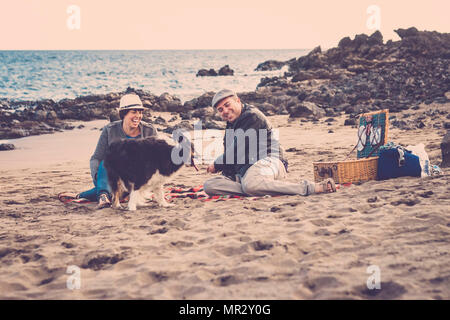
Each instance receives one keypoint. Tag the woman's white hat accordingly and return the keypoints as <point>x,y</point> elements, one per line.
<point>130,101</point>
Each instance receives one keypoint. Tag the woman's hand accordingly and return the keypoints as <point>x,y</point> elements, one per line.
<point>211,168</point>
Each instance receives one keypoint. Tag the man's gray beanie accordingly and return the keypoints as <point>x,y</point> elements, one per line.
<point>222,94</point>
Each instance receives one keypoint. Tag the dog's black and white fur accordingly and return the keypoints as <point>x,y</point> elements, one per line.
<point>139,166</point>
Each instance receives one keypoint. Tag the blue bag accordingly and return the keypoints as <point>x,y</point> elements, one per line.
<point>390,165</point>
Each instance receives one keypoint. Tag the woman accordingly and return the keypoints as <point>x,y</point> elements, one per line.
<point>130,126</point>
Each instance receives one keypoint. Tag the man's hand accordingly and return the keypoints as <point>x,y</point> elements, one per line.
<point>211,168</point>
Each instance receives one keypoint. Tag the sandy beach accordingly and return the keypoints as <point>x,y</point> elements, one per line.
<point>287,247</point>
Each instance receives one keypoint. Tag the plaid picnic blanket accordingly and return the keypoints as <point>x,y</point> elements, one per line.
<point>172,193</point>
<point>195,193</point>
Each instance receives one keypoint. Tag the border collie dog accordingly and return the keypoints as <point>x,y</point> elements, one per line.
<point>140,166</point>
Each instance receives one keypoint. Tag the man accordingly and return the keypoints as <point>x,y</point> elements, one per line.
<point>253,163</point>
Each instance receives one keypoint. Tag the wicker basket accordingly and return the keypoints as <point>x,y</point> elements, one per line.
<point>349,171</point>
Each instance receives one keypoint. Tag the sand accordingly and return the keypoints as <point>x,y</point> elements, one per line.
<point>287,247</point>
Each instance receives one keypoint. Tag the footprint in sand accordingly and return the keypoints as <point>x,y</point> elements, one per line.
<point>321,222</point>
<point>67,245</point>
<point>389,290</point>
<point>261,245</point>
<point>160,230</point>
<point>226,280</point>
<point>321,283</point>
<point>409,202</point>
<point>100,261</point>
<point>322,232</point>
<point>181,244</point>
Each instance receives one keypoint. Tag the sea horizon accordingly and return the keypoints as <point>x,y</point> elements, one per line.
<point>58,74</point>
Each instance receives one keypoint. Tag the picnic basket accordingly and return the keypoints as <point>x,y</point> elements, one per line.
<point>372,133</point>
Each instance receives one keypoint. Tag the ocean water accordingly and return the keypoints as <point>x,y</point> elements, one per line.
<point>32,75</point>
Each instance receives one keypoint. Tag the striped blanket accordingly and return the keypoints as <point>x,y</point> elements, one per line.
<point>172,193</point>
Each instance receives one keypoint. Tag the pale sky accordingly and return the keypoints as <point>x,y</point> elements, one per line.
<point>207,24</point>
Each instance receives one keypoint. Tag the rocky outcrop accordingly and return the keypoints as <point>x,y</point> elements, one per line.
<point>357,76</point>
<point>200,102</point>
<point>206,73</point>
<point>184,125</point>
<point>306,109</point>
<point>224,71</point>
<point>7,146</point>
<point>271,65</point>
<point>365,74</point>
<point>24,118</point>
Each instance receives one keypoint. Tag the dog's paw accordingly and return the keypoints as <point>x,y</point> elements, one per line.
<point>132,208</point>
<point>117,207</point>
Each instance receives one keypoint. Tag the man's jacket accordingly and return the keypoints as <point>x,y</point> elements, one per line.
<point>248,139</point>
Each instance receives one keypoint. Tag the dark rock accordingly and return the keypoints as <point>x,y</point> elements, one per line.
<point>203,113</point>
<point>206,73</point>
<point>274,82</point>
<point>302,76</point>
<point>183,125</point>
<point>159,120</point>
<point>350,122</point>
<point>302,96</point>
<point>404,33</point>
<point>305,109</point>
<point>186,115</point>
<point>209,124</point>
<point>313,60</point>
<point>270,65</point>
<point>51,115</point>
<point>7,146</point>
<point>364,71</point>
<point>401,124</point>
<point>114,116</point>
<point>447,125</point>
<point>201,102</point>
<point>14,133</point>
<point>269,109</point>
<point>67,126</point>
<point>344,42</point>
<point>226,71</point>
<point>445,149</point>
<point>329,112</point>
<point>169,103</point>
<point>376,38</point>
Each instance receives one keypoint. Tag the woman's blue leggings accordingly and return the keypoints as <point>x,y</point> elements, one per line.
<point>101,185</point>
